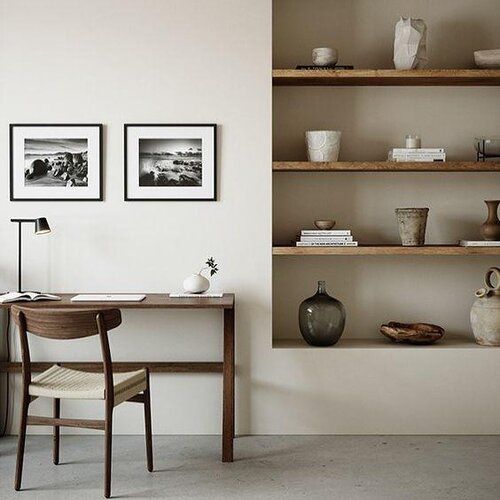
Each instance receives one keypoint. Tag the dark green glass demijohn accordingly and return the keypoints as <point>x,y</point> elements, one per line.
<point>321,318</point>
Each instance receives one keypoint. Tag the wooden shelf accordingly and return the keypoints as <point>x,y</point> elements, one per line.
<point>385,166</point>
<point>447,343</point>
<point>387,250</point>
<point>387,77</point>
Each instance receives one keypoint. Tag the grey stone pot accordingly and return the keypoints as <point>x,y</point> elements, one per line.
<point>412,223</point>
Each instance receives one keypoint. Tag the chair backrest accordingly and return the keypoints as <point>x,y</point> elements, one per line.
<point>65,324</point>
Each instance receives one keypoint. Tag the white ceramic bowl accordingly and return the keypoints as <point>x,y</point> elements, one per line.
<point>325,56</point>
<point>487,58</point>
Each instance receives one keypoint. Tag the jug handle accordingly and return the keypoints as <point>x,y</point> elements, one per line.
<point>487,279</point>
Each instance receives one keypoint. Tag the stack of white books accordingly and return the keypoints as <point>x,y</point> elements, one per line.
<point>420,154</point>
<point>324,238</point>
<point>479,243</point>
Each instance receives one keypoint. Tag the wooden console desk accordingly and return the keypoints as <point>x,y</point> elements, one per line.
<point>161,301</point>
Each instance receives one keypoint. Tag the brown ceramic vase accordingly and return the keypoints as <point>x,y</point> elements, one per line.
<point>490,230</point>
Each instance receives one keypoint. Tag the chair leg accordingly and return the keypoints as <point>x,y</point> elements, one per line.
<point>21,441</point>
<point>108,436</point>
<point>147,422</point>
<point>55,435</point>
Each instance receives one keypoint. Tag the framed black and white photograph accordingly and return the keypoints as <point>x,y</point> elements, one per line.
<point>170,162</point>
<point>60,162</point>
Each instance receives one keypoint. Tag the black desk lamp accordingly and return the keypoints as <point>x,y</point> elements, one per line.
<point>41,227</point>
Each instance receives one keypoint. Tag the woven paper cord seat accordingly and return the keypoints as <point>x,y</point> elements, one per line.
<point>65,383</point>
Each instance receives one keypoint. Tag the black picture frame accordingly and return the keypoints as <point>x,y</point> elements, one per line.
<point>12,128</point>
<point>126,126</point>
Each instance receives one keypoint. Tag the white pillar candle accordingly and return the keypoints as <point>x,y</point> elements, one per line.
<point>412,141</point>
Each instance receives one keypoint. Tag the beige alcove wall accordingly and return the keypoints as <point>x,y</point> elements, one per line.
<point>372,120</point>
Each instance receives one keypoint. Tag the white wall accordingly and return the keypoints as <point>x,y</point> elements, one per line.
<point>117,61</point>
<point>149,61</point>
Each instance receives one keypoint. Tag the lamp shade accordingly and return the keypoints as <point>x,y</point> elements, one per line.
<point>41,226</point>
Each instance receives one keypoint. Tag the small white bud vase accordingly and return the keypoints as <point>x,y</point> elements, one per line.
<point>323,145</point>
<point>196,283</point>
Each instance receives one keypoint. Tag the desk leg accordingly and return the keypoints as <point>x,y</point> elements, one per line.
<point>4,377</point>
<point>228,387</point>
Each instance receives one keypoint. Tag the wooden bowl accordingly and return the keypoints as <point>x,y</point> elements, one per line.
<point>324,224</point>
<point>412,333</point>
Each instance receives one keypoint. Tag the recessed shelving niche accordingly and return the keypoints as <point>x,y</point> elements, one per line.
<point>383,277</point>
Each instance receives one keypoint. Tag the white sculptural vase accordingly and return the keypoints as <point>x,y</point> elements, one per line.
<point>410,44</point>
<point>323,145</point>
<point>196,283</point>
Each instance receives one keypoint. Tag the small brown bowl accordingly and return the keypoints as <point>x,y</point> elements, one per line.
<point>412,333</point>
<point>324,225</point>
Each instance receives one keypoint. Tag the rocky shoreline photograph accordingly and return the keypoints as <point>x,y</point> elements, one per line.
<point>55,162</point>
<point>170,162</point>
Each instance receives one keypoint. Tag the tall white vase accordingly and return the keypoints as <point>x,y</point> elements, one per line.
<point>323,145</point>
<point>410,44</point>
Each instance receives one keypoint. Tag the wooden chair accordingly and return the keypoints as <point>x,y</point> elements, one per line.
<point>63,383</point>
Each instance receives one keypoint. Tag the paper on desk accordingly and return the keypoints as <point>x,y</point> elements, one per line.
<point>195,295</point>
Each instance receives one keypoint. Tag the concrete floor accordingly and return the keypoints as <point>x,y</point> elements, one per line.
<point>267,467</point>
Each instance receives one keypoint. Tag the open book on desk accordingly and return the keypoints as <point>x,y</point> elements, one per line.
<point>26,297</point>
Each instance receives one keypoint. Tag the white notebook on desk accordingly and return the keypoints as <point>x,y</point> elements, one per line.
<point>110,297</point>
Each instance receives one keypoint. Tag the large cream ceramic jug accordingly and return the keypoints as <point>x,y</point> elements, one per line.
<point>485,312</point>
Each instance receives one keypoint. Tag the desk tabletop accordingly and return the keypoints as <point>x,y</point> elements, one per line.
<point>152,301</point>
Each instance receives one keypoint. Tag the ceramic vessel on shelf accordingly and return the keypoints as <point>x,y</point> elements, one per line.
<point>487,147</point>
<point>410,44</point>
<point>324,225</point>
<point>321,318</point>
<point>412,333</point>
<point>490,229</point>
<point>325,56</point>
<point>323,145</point>
<point>196,283</point>
<point>412,141</point>
<point>487,58</point>
<point>412,223</point>
<point>485,312</point>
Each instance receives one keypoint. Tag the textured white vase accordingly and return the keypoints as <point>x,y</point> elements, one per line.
<point>196,283</point>
<point>410,44</point>
<point>323,145</point>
